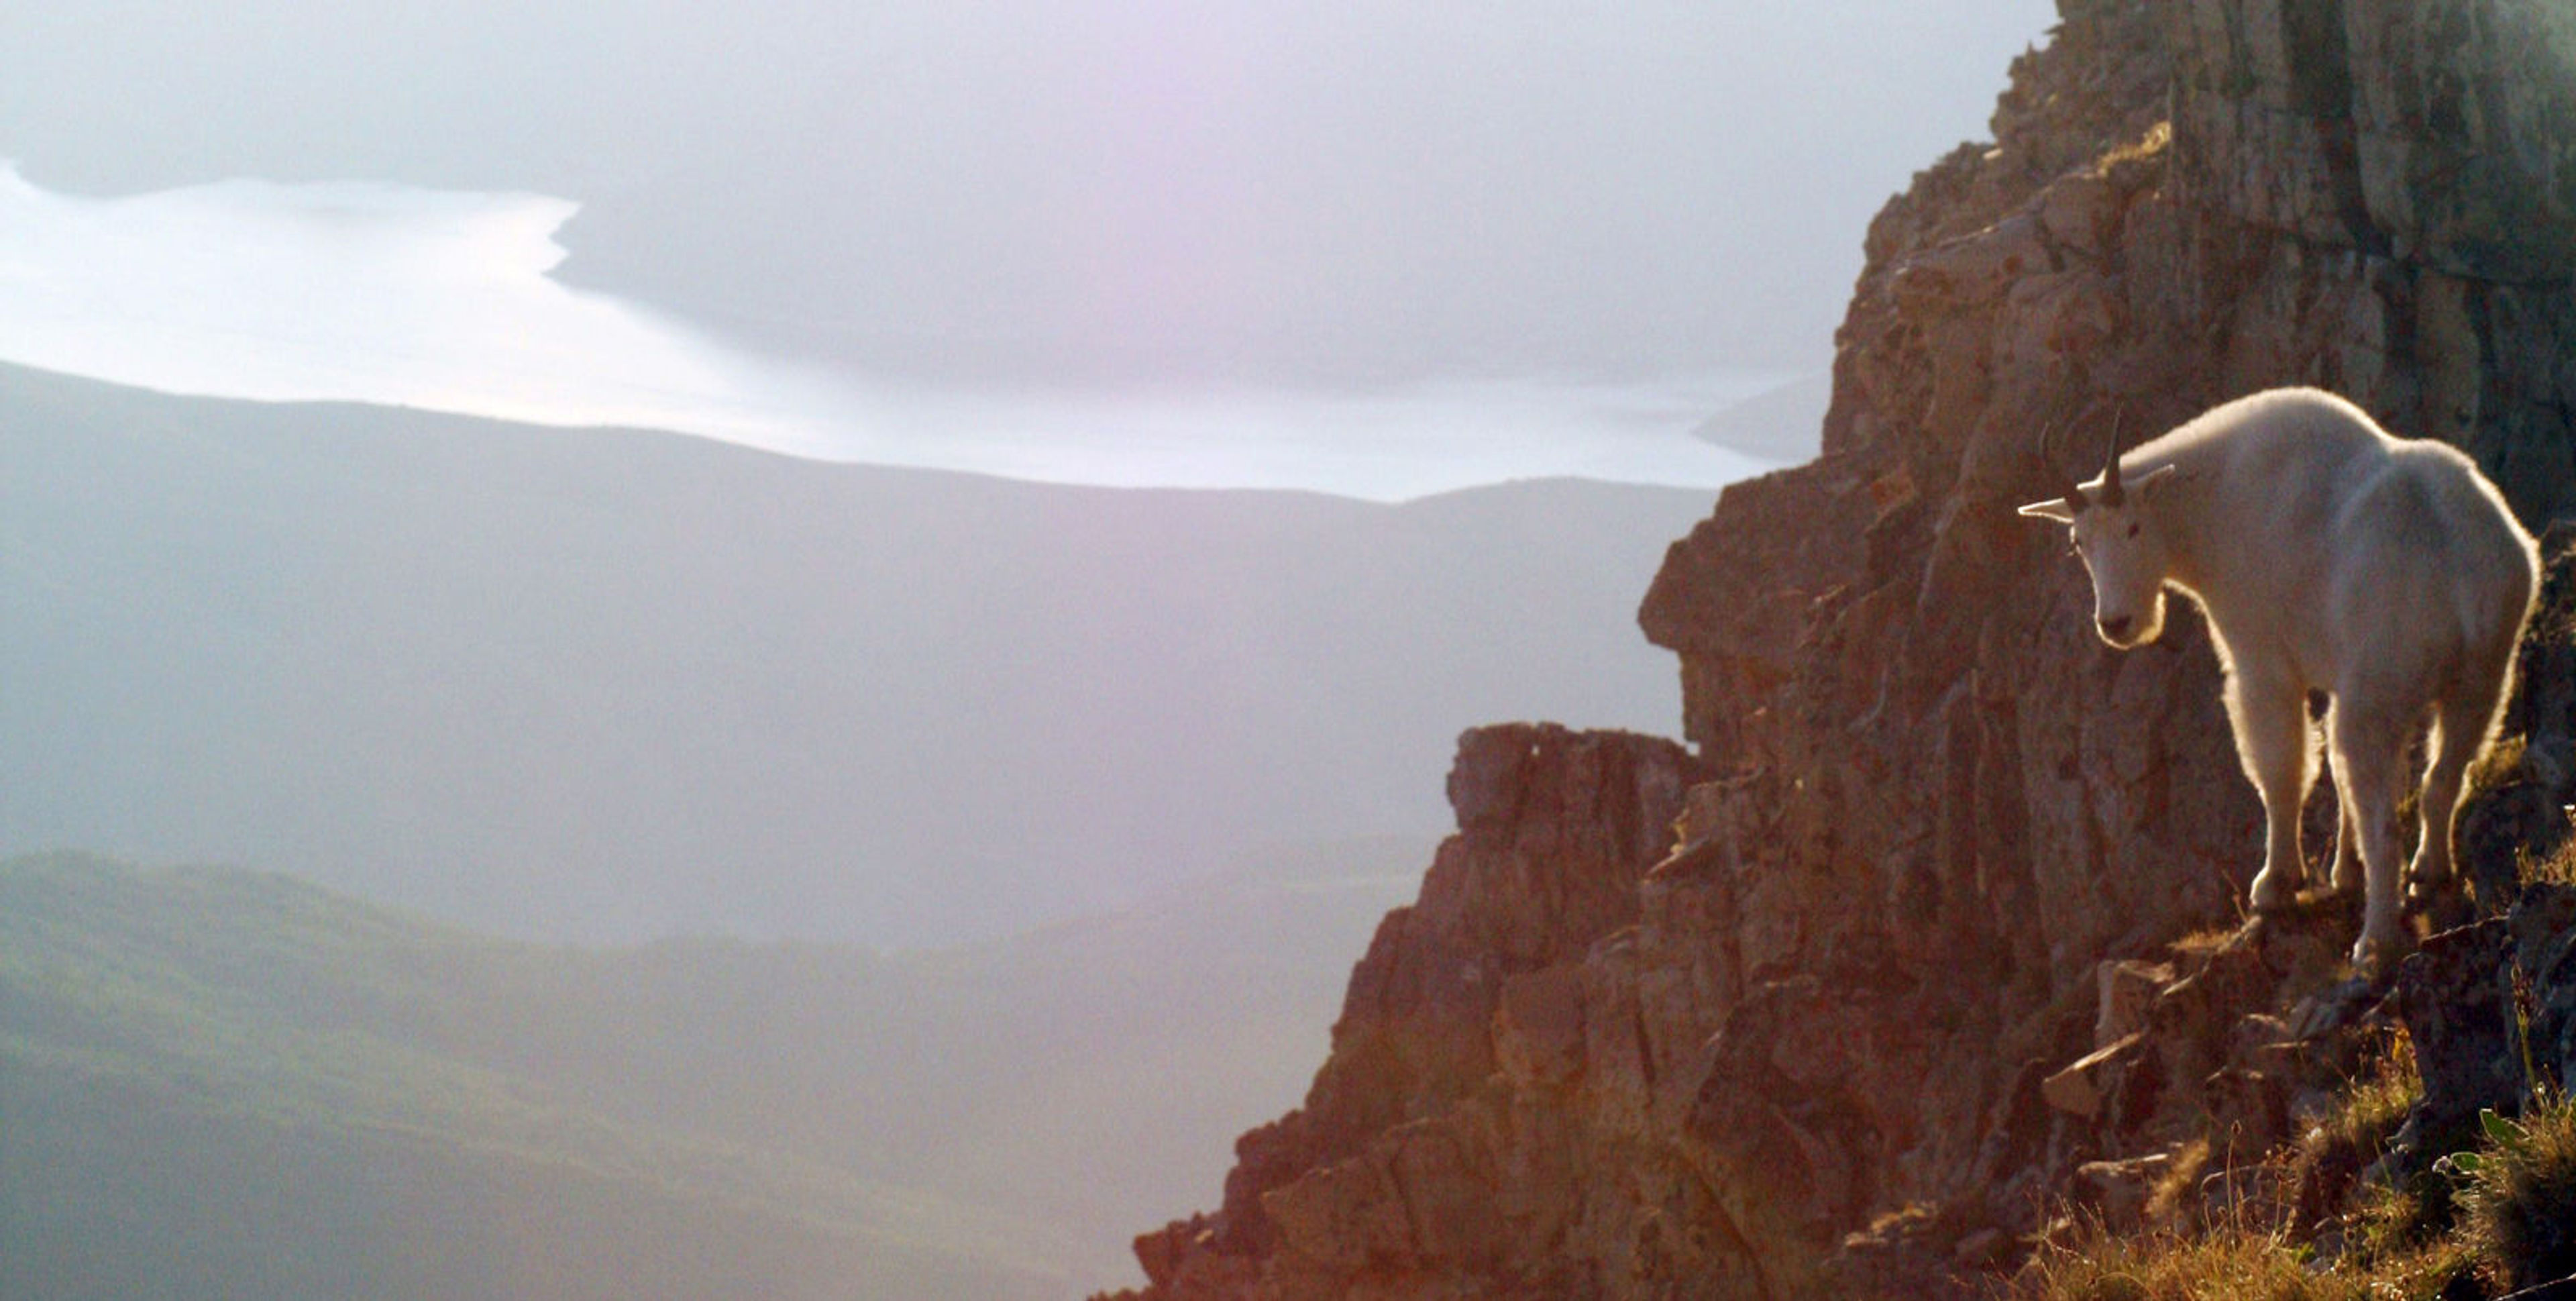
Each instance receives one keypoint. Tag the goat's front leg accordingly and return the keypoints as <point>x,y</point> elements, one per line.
<point>2279,754</point>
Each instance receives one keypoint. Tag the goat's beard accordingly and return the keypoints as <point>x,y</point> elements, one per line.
<point>2145,626</point>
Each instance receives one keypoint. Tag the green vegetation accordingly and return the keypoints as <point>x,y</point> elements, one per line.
<point>2521,1186</point>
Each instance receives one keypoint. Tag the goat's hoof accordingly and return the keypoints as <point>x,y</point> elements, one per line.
<point>2423,890</point>
<point>2271,895</point>
<point>2374,957</point>
<point>2444,909</point>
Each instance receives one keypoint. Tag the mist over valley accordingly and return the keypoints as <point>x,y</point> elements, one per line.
<point>610,685</point>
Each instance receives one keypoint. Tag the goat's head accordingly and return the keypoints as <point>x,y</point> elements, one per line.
<point>2116,529</point>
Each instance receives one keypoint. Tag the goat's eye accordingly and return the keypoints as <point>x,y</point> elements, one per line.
<point>2133,530</point>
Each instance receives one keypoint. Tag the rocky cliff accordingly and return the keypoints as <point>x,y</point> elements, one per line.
<point>1899,978</point>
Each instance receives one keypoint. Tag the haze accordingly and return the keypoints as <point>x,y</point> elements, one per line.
<point>1031,189</point>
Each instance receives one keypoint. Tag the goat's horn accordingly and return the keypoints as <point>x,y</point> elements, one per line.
<point>2112,495</point>
<point>2067,487</point>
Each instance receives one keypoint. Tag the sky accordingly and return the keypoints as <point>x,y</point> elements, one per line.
<point>833,209</point>
<point>445,300</point>
<point>1087,188</point>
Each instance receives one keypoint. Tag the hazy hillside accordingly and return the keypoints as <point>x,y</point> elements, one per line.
<point>1780,425</point>
<point>218,1083</point>
<point>233,1085</point>
<point>614,685</point>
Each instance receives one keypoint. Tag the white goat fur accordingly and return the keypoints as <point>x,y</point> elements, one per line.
<point>2387,573</point>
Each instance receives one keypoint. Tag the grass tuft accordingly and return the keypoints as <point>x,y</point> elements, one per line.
<point>2174,1195</point>
<point>2521,1200</point>
<point>2369,1110</point>
<point>2306,1225</point>
<point>2168,1266</point>
<point>2146,148</point>
<point>2234,1264</point>
<point>2559,866</point>
<point>2198,945</point>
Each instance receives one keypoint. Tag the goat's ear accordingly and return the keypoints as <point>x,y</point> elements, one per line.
<point>2054,508</point>
<point>2156,478</point>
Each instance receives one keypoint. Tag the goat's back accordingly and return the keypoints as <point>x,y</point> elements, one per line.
<point>2323,534</point>
<point>2432,543</point>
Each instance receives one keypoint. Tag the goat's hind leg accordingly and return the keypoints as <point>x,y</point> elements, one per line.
<point>2346,876</point>
<point>2461,724</point>
<point>2369,744</point>
<point>2279,753</point>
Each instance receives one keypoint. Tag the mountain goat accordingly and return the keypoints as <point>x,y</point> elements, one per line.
<point>2328,556</point>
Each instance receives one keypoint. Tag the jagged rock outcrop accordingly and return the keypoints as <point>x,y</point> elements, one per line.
<point>1850,1036</point>
<point>1406,1160</point>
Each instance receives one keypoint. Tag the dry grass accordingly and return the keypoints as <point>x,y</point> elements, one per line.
<point>2172,1197</point>
<point>2331,1156</point>
<point>2559,866</point>
<point>2145,148</point>
<point>2170,1267</point>
<point>2197,946</point>
<point>2514,1226</point>
<point>2375,1221</point>
<point>2311,1230</point>
<point>2233,1264</point>
<point>2222,1265</point>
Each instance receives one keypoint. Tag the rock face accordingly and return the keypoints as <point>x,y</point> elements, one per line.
<point>1407,1159</point>
<point>1870,976</point>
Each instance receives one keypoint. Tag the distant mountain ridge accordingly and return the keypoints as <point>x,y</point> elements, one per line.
<point>218,1083</point>
<point>231,1084</point>
<point>1779,424</point>
<point>613,684</point>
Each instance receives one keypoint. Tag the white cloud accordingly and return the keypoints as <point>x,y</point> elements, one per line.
<point>443,300</point>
